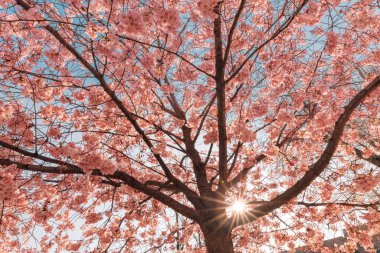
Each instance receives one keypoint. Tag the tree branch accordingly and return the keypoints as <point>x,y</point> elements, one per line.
<point>192,196</point>
<point>231,33</point>
<point>374,159</point>
<point>318,167</point>
<point>120,175</point>
<point>220,97</point>
<point>243,173</point>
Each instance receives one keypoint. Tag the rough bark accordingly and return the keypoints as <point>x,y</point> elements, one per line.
<point>216,231</point>
<point>218,240</point>
<point>220,98</point>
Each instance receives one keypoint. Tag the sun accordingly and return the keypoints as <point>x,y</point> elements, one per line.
<point>238,206</point>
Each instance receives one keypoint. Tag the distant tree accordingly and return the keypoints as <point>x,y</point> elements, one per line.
<point>144,126</point>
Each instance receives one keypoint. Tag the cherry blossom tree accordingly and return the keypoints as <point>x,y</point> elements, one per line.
<point>218,126</point>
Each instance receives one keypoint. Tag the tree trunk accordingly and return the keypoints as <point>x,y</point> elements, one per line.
<point>218,241</point>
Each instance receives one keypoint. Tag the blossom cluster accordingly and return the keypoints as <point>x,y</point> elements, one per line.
<point>206,8</point>
<point>93,218</point>
<point>8,187</point>
<point>138,22</point>
<point>366,183</point>
<point>133,21</point>
<point>311,16</point>
<point>169,18</point>
<point>331,41</point>
<point>93,29</point>
<point>186,74</point>
<point>53,132</point>
<point>90,162</point>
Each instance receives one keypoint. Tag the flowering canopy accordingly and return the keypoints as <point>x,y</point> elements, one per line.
<point>114,114</point>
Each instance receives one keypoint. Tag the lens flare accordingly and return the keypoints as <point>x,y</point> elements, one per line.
<point>239,210</point>
<point>238,206</point>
